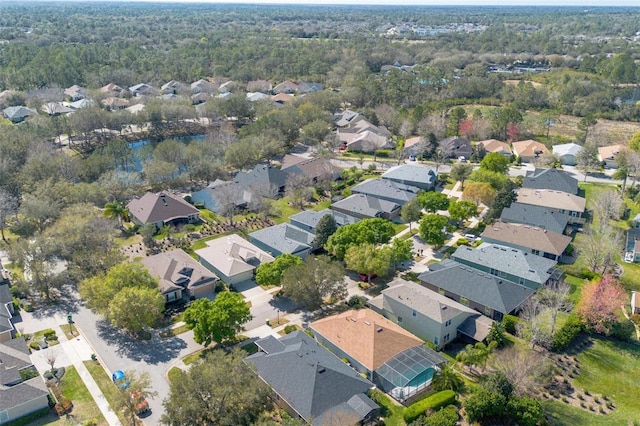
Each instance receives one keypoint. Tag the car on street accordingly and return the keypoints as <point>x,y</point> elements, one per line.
<point>471,237</point>
<point>120,379</point>
<point>366,278</point>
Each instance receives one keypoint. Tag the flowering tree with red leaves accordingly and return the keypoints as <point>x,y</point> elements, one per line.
<point>466,128</point>
<point>513,132</point>
<point>598,303</point>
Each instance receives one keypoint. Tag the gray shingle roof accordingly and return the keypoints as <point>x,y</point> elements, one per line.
<point>387,189</point>
<point>284,238</point>
<point>365,205</point>
<point>175,270</point>
<point>554,179</point>
<point>260,175</point>
<point>507,259</point>
<point>408,172</point>
<point>18,113</point>
<point>5,314</point>
<point>312,217</point>
<point>307,376</point>
<point>485,289</point>
<point>538,216</point>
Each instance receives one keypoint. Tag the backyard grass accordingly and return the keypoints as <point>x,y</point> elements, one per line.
<point>130,240</point>
<point>284,210</point>
<point>393,413</point>
<point>576,284</point>
<point>610,368</point>
<point>109,390</point>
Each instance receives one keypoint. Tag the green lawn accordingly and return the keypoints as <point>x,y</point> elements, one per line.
<point>393,413</point>
<point>284,210</point>
<point>609,368</point>
<point>84,407</point>
<point>105,384</point>
<point>576,284</point>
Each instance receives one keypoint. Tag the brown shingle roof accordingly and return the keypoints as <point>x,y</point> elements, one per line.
<point>609,152</point>
<point>175,269</point>
<point>527,236</point>
<point>529,148</point>
<point>160,207</point>
<point>551,199</point>
<point>494,145</point>
<point>367,337</point>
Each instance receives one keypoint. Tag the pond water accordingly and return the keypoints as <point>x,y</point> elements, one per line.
<point>139,154</point>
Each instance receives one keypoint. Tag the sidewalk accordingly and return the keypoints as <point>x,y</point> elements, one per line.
<point>74,352</point>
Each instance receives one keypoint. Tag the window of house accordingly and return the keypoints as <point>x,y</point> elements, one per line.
<point>441,291</point>
<point>446,338</point>
<point>399,319</point>
<point>493,271</point>
<point>521,281</point>
<point>464,300</point>
<point>435,340</point>
<point>536,252</point>
<point>413,313</point>
<point>503,274</point>
<point>487,311</point>
<point>447,323</point>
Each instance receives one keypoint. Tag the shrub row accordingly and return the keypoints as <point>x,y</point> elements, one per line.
<point>567,333</point>
<point>432,402</point>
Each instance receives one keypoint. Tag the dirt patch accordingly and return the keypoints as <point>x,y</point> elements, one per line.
<point>515,83</point>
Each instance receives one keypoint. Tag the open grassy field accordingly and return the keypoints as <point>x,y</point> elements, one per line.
<point>609,368</point>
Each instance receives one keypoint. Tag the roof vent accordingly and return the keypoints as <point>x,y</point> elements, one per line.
<point>322,370</point>
<point>379,330</point>
<point>367,322</point>
<point>353,319</point>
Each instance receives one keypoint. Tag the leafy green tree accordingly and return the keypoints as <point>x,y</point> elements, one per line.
<point>447,378</point>
<point>456,115</point>
<point>495,162</point>
<point>325,228</point>
<point>497,333</point>
<point>433,201</point>
<point>411,212</point>
<point>503,117</point>
<point>271,273</point>
<point>432,229</point>
<point>234,394</point>
<point>503,199</point>
<point>37,256</point>
<point>124,400</point>
<point>460,211</point>
<point>219,320</point>
<point>476,355</point>
<point>495,179</point>
<point>461,172</point>
<point>135,308</point>
<point>525,411</point>
<point>374,231</point>
<point>310,282</point>
<point>634,142</point>
<point>585,124</point>
<point>479,192</point>
<point>100,290</point>
<point>447,416</point>
<point>497,381</point>
<point>8,206</point>
<point>484,406</point>
<point>399,251</point>
<point>368,259</point>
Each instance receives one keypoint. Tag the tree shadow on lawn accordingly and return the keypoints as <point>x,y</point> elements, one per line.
<point>64,300</point>
<point>153,351</point>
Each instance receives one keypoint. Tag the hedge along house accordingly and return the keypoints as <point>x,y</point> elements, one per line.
<point>392,358</point>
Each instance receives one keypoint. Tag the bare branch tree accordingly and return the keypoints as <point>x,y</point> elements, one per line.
<point>525,369</point>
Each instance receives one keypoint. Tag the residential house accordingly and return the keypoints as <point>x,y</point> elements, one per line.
<point>528,239</point>
<point>308,219</point>
<point>232,258</point>
<point>17,114</point>
<point>536,216</point>
<point>263,86</point>
<point>226,87</point>
<point>608,155</point>
<point>257,96</point>
<point>143,89</point>
<point>510,263</point>
<point>565,203</point>
<point>269,181</point>
<point>6,311</point>
<point>19,398</point>
<point>75,93</point>
<point>199,99</point>
<point>219,195</point>
<point>635,303</point>
<point>135,109</point>
<point>361,135</point>
<point>555,179</point>
<point>180,276</point>
<point>423,177</point>
<point>391,357</point>
<point>161,209</point>
<point>344,118</point>
<point>567,153</point>
<point>363,206</point>
<point>388,190</point>
<point>281,98</point>
<point>414,146</point>
<point>488,294</point>
<point>286,87</point>
<point>494,145</point>
<point>632,245</point>
<point>113,90</point>
<point>455,147</point>
<point>82,103</point>
<point>174,87</point>
<point>202,86</point>
<point>283,238</point>
<point>311,383</point>
<point>528,151</point>
<point>114,103</point>
<point>56,108</point>
<point>429,315</point>
<point>314,169</point>
<point>308,87</point>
